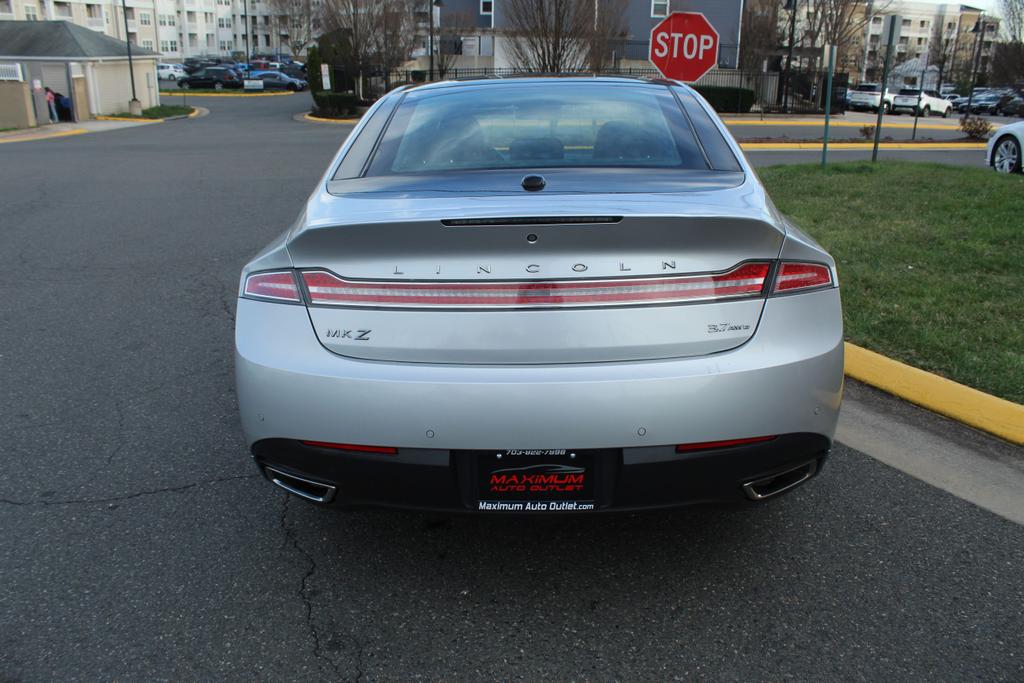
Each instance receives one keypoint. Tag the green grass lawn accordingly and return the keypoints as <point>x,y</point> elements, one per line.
<point>931,261</point>
<point>161,112</point>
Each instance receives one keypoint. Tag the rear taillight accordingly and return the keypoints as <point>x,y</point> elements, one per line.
<point>279,286</point>
<point>745,280</point>
<point>793,277</point>
<point>727,443</point>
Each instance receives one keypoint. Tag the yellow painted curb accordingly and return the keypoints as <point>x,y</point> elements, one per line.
<point>191,93</point>
<point>838,124</point>
<point>195,112</point>
<point>920,146</point>
<point>320,119</point>
<point>983,411</point>
<point>44,136</point>
<point>137,119</point>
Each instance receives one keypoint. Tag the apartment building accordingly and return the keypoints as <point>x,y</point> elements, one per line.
<point>483,21</point>
<point>177,29</point>
<point>948,34</point>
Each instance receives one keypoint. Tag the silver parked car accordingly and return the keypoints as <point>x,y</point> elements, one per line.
<point>539,295</point>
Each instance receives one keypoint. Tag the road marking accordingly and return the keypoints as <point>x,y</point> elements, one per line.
<point>42,136</point>
<point>983,411</point>
<point>816,146</point>
<point>135,119</point>
<point>986,475</point>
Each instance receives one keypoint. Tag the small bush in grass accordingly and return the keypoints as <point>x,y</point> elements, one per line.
<point>867,132</point>
<point>313,77</point>
<point>975,127</point>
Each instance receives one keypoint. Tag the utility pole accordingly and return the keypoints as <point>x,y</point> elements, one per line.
<point>894,22</point>
<point>134,107</point>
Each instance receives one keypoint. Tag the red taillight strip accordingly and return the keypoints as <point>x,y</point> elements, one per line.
<point>744,280</point>
<point>279,285</point>
<point>386,450</point>
<point>708,445</point>
<point>794,276</point>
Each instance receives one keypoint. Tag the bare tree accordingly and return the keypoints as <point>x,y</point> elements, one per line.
<point>605,31</point>
<point>299,19</point>
<point>1013,18</point>
<point>841,23</point>
<point>761,34</point>
<point>548,36</point>
<point>393,34</point>
<point>352,21</point>
<point>448,39</point>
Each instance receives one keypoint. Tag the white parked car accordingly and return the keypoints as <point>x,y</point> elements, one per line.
<point>170,72</point>
<point>909,99</point>
<point>868,96</point>
<point>1004,148</point>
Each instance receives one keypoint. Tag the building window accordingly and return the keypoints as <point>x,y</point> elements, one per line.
<point>876,20</point>
<point>147,44</point>
<point>145,19</point>
<point>924,24</point>
<point>5,7</point>
<point>905,23</point>
<point>920,41</point>
<point>31,13</point>
<point>62,9</point>
<point>949,26</point>
<point>486,7</point>
<point>659,9</point>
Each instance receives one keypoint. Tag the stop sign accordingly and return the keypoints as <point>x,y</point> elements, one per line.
<point>684,46</point>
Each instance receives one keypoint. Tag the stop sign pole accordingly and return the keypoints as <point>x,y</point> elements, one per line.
<point>684,46</point>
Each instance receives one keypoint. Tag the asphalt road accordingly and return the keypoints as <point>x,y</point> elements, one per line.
<point>139,543</point>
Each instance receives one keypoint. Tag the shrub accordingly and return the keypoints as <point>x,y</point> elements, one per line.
<point>316,83</point>
<point>727,99</point>
<point>975,127</point>
<point>335,104</point>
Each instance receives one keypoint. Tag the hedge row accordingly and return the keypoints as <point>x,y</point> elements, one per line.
<point>727,99</point>
<point>335,104</point>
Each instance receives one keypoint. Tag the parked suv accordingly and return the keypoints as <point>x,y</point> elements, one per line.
<point>216,77</point>
<point>867,96</point>
<point>909,99</point>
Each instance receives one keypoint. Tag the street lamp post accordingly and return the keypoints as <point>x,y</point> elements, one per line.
<point>979,28</point>
<point>792,6</point>
<point>134,107</point>
<point>430,24</point>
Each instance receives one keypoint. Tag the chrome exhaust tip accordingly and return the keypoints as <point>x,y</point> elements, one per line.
<point>315,491</point>
<point>767,487</point>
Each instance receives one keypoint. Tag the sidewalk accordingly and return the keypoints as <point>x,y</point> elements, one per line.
<point>60,130</point>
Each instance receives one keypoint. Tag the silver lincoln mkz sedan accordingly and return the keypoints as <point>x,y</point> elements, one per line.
<point>539,295</point>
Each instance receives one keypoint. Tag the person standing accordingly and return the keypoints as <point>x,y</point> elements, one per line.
<point>51,103</point>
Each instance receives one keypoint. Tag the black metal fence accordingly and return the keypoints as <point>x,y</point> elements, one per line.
<point>805,93</point>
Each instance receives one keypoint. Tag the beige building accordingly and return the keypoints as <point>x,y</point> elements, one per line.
<point>87,70</point>
<point>177,29</point>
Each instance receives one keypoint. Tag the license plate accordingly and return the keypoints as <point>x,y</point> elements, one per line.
<point>535,480</point>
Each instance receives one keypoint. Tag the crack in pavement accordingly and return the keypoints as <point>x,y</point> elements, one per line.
<point>128,496</point>
<point>303,595</point>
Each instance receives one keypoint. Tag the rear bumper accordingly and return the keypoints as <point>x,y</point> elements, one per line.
<point>629,479</point>
<point>786,380</point>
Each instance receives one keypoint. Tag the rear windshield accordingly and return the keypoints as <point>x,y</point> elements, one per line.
<point>538,126</point>
<point>868,87</point>
<point>908,91</point>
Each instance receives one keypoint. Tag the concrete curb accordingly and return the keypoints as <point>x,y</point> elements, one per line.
<point>919,146</point>
<point>977,409</point>
<point>320,119</point>
<point>192,93</point>
<point>133,119</point>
